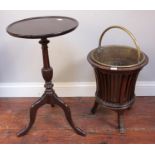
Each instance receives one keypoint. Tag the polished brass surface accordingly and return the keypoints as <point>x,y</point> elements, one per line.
<point>118,56</point>
<point>125,30</point>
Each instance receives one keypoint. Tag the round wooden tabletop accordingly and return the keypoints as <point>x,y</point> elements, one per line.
<point>42,27</point>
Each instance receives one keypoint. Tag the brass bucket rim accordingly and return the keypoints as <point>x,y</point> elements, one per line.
<point>143,61</point>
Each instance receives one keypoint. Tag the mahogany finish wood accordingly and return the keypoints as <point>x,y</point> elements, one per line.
<point>43,27</point>
<point>49,96</point>
<point>115,88</point>
<point>101,127</point>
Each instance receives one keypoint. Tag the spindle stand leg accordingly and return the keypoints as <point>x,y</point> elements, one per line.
<point>121,121</point>
<point>67,112</point>
<point>93,110</point>
<point>49,96</point>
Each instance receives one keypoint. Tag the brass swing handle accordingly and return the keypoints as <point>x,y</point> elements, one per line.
<point>127,31</point>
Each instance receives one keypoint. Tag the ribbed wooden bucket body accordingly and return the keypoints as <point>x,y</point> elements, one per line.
<point>115,89</point>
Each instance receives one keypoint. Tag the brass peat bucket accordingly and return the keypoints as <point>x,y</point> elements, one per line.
<point>116,71</point>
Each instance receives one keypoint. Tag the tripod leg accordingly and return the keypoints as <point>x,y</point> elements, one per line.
<point>52,105</point>
<point>67,112</point>
<point>50,101</point>
<point>121,121</point>
<point>33,111</point>
<point>93,110</point>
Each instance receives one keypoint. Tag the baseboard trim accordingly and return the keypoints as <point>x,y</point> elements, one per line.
<point>66,89</point>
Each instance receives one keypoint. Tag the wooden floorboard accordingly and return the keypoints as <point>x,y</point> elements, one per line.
<point>52,127</point>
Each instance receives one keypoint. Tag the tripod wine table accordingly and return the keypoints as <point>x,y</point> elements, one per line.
<point>43,28</point>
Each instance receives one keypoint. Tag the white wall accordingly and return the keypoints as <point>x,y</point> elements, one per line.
<point>21,59</point>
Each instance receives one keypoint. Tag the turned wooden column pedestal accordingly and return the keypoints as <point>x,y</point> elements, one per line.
<point>49,96</point>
